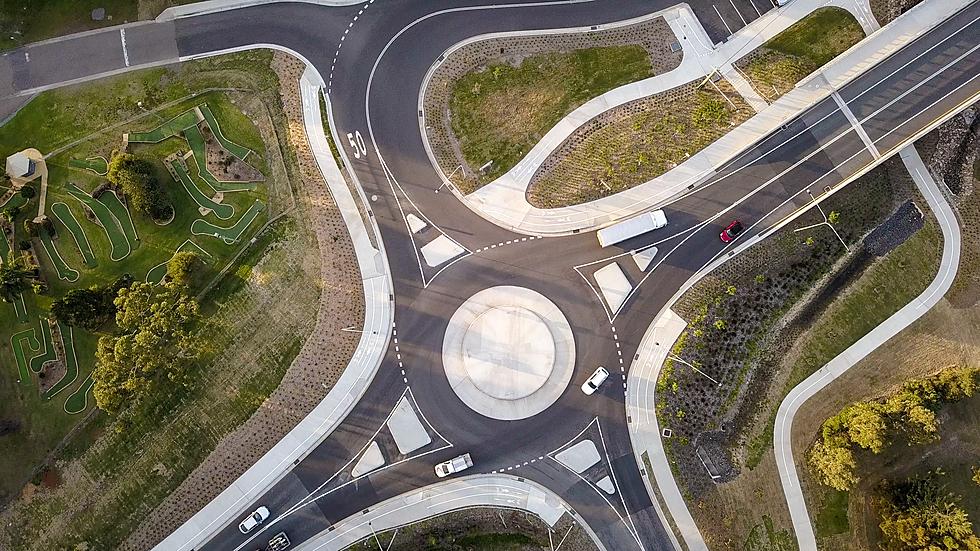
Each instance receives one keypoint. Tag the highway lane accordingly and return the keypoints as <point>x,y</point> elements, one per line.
<point>819,147</point>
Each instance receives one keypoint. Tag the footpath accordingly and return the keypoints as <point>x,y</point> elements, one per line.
<point>364,363</point>
<point>504,200</point>
<point>783,432</point>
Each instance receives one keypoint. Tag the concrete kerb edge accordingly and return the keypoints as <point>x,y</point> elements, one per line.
<point>487,500</point>
<point>633,374</point>
<point>214,6</point>
<point>204,529</point>
<point>843,362</point>
<point>508,34</point>
<point>97,76</point>
<point>826,91</point>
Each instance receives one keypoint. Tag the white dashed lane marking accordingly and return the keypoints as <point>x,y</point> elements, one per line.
<point>505,243</point>
<point>333,64</point>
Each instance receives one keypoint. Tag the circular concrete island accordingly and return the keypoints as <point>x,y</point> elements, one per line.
<point>508,352</point>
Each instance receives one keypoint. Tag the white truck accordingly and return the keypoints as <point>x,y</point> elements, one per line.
<point>454,465</point>
<point>633,227</point>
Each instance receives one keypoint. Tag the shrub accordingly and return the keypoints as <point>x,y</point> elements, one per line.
<point>28,192</point>
<point>135,177</point>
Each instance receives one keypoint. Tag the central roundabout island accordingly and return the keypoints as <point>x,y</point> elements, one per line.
<point>508,352</point>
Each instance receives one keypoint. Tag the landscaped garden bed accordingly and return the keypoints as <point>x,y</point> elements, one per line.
<point>489,102</point>
<point>636,142</point>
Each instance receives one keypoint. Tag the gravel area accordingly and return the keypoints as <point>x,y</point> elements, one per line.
<point>653,35</point>
<point>885,11</point>
<point>907,220</point>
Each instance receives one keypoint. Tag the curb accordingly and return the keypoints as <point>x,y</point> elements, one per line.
<point>215,6</point>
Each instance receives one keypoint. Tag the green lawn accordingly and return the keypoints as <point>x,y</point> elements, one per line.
<point>98,164</point>
<point>801,49</point>
<point>499,113</point>
<point>25,21</point>
<point>56,119</point>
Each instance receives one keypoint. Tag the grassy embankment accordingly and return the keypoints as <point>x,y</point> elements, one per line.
<point>807,45</point>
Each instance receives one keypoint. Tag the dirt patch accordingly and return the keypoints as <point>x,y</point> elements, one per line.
<point>51,478</point>
<point>636,142</point>
<point>483,529</point>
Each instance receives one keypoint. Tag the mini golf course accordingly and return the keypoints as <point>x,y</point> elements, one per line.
<point>64,214</point>
<point>230,146</point>
<point>220,210</point>
<point>97,165</point>
<point>232,234</point>
<point>121,214</point>
<point>113,229</point>
<point>65,272</point>
<point>157,273</point>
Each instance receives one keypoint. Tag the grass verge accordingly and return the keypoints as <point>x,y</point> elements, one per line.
<point>804,47</point>
<point>500,112</point>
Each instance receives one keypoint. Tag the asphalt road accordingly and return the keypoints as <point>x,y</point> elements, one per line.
<point>374,68</point>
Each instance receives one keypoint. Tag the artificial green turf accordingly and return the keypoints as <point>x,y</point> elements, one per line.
<point>65,272</point>
<point>98,164</point>
<point>71,363</point>
<point>229,235</point>
<point>78,400</point>
<point>122,215</point>
<point>237,150</point>
<point>221,210</point>
<point>168,129</point>
<point>64,215</point>
<point>117,239</point>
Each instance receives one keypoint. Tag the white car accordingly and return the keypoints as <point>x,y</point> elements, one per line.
<point>256,518</point>
<point>454,465</point>
<point>595,381</point>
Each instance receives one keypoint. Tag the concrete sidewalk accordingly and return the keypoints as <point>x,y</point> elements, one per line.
<point>360,371</point>
<point>782,437</point>
<point>504,201</point>
<point>485,490</point>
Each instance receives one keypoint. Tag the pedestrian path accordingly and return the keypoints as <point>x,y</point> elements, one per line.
<point>504,200</point>
<point>782,438</point>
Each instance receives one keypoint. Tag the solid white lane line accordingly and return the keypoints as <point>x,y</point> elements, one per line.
<point>122,38</point>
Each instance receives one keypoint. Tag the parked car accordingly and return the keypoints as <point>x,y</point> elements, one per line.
<point>454,465</point>
<point>731,232</point>
<point>593,383</point>
<point>256,518</point>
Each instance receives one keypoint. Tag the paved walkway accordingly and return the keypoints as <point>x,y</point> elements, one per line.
<point>471,491</point>
<point>504,201</point>
<point>782,438</point>
<point>316,426</point>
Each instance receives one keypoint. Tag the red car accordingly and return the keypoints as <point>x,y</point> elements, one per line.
<point>731,232</point>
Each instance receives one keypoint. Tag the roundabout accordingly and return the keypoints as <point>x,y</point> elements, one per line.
<point>508,353</point>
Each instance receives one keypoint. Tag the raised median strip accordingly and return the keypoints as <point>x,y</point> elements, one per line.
<point>504,200</point>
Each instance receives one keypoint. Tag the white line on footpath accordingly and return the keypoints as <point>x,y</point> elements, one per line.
<point>122,38</point>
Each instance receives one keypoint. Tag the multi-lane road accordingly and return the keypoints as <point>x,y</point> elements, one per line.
<point>373,58</point>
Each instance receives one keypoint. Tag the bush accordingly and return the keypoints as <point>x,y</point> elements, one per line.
<point>28,192</point>
<point>135,177</point>
<point>90,308</point>
<point>24,245</point>
<point>182,267</point>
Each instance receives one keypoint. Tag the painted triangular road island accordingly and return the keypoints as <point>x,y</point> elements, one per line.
<point>462,275</point>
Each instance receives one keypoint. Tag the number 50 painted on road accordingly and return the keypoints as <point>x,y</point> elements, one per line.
<point>357,144</point>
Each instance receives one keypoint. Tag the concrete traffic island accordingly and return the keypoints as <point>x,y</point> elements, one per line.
<point>508,352</point>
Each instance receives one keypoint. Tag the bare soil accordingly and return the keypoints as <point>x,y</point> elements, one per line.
<point>225,166</point>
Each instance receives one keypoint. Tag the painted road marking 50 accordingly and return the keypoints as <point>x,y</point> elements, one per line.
<point>357,144</point>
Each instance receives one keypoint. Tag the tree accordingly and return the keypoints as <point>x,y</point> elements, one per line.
<point>866,426</point>
<point>15,277</point>
<point>834,465</point>
<point>156,348</point>
<point>90,308</point>
<point>28,192</point>
<point>182,267</point>
<point>919,514</point>
<point>135,177</point>
<point>10,213</point>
